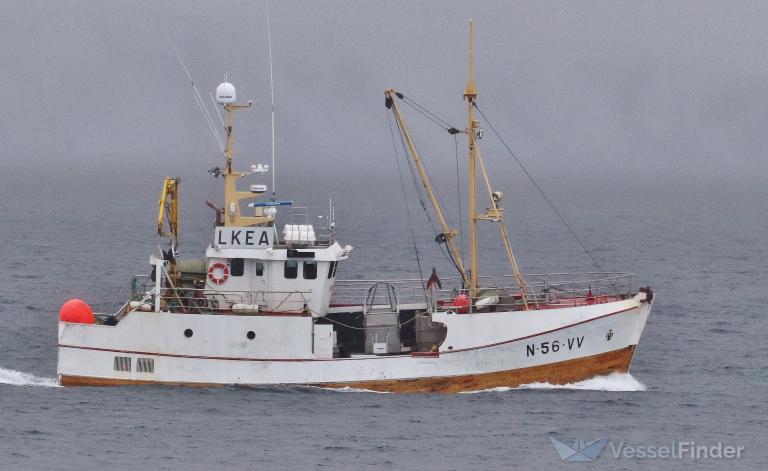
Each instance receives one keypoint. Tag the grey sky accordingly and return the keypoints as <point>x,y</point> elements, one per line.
<point>625,88</point>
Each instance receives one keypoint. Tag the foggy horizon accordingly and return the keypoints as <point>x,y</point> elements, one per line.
<point>643,123</point>
<point>620,89</point>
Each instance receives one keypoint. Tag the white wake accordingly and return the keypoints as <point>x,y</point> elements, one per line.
<point>356,390</point>
<point>614,382</point>
<point>19,378</point>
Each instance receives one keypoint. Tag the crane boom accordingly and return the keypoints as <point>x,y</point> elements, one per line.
<point>448,232</point>
<point>168,210</point>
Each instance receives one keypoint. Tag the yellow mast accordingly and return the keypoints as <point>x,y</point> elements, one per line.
<point>494,213</point>
<point>448,231</point>
<point>233,197</point>
<point>470,93</point>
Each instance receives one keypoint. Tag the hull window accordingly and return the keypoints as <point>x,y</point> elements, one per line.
<point>259,269</point>
<point>310,270</point>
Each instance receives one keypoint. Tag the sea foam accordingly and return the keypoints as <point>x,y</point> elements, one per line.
<point>614,382</point>
<point>20,378</point>
<point>355,390</point>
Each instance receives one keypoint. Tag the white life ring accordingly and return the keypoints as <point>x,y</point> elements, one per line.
<point>218,273</point>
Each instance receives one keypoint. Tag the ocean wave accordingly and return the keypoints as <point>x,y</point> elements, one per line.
<point>20,378</point>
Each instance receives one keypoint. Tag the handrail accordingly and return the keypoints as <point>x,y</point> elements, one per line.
<point>542,290</point>
<point>208,300</point>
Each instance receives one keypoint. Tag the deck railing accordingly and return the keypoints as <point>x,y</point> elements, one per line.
<point>208,300</point>
<point>542,290</point>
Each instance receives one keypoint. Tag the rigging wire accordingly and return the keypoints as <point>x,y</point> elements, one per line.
<point>458,192</point>
<point>215,107</point>
<point>426,113</point>
<point>445,125</point>
<point>440,237</point>
<point>417,187</point>
<point>196,94</point>
<point>405,202</point>
<point>540,190</point>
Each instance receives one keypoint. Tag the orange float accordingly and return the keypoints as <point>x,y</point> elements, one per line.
<point>76,311</point>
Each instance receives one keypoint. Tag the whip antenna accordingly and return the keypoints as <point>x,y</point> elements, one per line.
<point>272,96</point>
<point>196,94</point>
<point>213,100</point>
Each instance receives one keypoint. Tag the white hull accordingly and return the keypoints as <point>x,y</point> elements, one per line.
<point>285,350</point>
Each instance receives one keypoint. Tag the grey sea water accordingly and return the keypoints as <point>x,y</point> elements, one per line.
<point>699,374</point>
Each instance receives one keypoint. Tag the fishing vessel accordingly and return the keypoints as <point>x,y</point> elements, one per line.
<point>264,306</point>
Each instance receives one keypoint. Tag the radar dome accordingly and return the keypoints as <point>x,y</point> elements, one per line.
<point>225,93</point>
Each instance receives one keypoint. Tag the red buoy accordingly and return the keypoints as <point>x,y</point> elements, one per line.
<point>461,303</point>
<point>76,311</point>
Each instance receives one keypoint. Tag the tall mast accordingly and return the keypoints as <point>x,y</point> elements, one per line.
<point>448,232</point>
<point>225,95</point>
<point>470,93</point>
<point>494,213</point>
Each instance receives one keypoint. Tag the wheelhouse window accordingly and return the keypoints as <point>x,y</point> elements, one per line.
<point>236,266</point>
<point>259,269</point>
<point>332,270</point>
<point>310,270</point>
<point>291,269</point>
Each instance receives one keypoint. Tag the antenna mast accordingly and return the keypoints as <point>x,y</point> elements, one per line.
<point>272,95</point>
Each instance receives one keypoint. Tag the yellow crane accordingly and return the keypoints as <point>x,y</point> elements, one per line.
<point>168,210</point>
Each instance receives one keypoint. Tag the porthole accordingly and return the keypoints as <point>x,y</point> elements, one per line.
<point>188,333</point>
<point>251,335</point>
